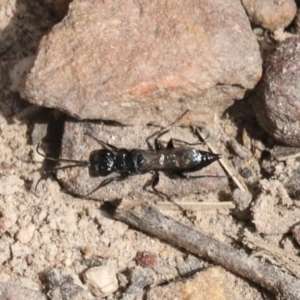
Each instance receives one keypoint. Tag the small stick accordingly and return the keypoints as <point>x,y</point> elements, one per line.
<point>194,206</point>
<point>148,219</point>
<point>282,153</point>
<point>288,261</point>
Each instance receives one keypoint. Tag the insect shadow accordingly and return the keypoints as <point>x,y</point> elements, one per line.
<point>173,161</point>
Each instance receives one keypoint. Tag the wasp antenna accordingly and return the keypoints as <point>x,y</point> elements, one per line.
<point>179,118</point>
<point>45,175</point>
<point>77,162</point>
<point>36,185</point>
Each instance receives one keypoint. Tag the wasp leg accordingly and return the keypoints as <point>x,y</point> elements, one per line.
<point>183,176</point>
<point>172,140</point>
<point>106,182</point>
<point>147,141</point>
<point>104,144</point>
<point>157,144</point>
<point>153,182</point>
<point>170,144</point>
<point>155,190</point>
<point>161,132</point>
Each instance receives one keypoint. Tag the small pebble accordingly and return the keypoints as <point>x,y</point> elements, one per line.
<point>64,283</point>
<point>246,173</point>
<point>101,281</point>
<point>241,200</point>
<point>145,259</point>
<point>25,234</point>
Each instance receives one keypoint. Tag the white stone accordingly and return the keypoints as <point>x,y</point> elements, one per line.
<point>101,281</point>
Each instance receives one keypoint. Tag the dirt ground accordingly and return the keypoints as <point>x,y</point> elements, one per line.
<point>48,229</point>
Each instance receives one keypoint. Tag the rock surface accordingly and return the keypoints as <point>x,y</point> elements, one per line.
<point>270,14</point>
<point>63,283</point>
<point>17,292</point>
<point>296,22</point>
<point>213,283</point>
<point>74,232</point>
<point>276,102</point>
<point>78,144</point>
<point>58,7</point>
<point>273,212</point>
<point>139,62</point>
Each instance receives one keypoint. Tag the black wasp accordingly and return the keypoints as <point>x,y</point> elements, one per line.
<point>127,162</point>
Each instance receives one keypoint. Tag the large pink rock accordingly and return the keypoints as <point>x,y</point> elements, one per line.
<point>139,62</point>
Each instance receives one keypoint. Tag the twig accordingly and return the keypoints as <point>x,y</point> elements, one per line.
<point>148,219</point>
<point>287,261</point>
<point>282,153</point>
<point>194,206</point>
